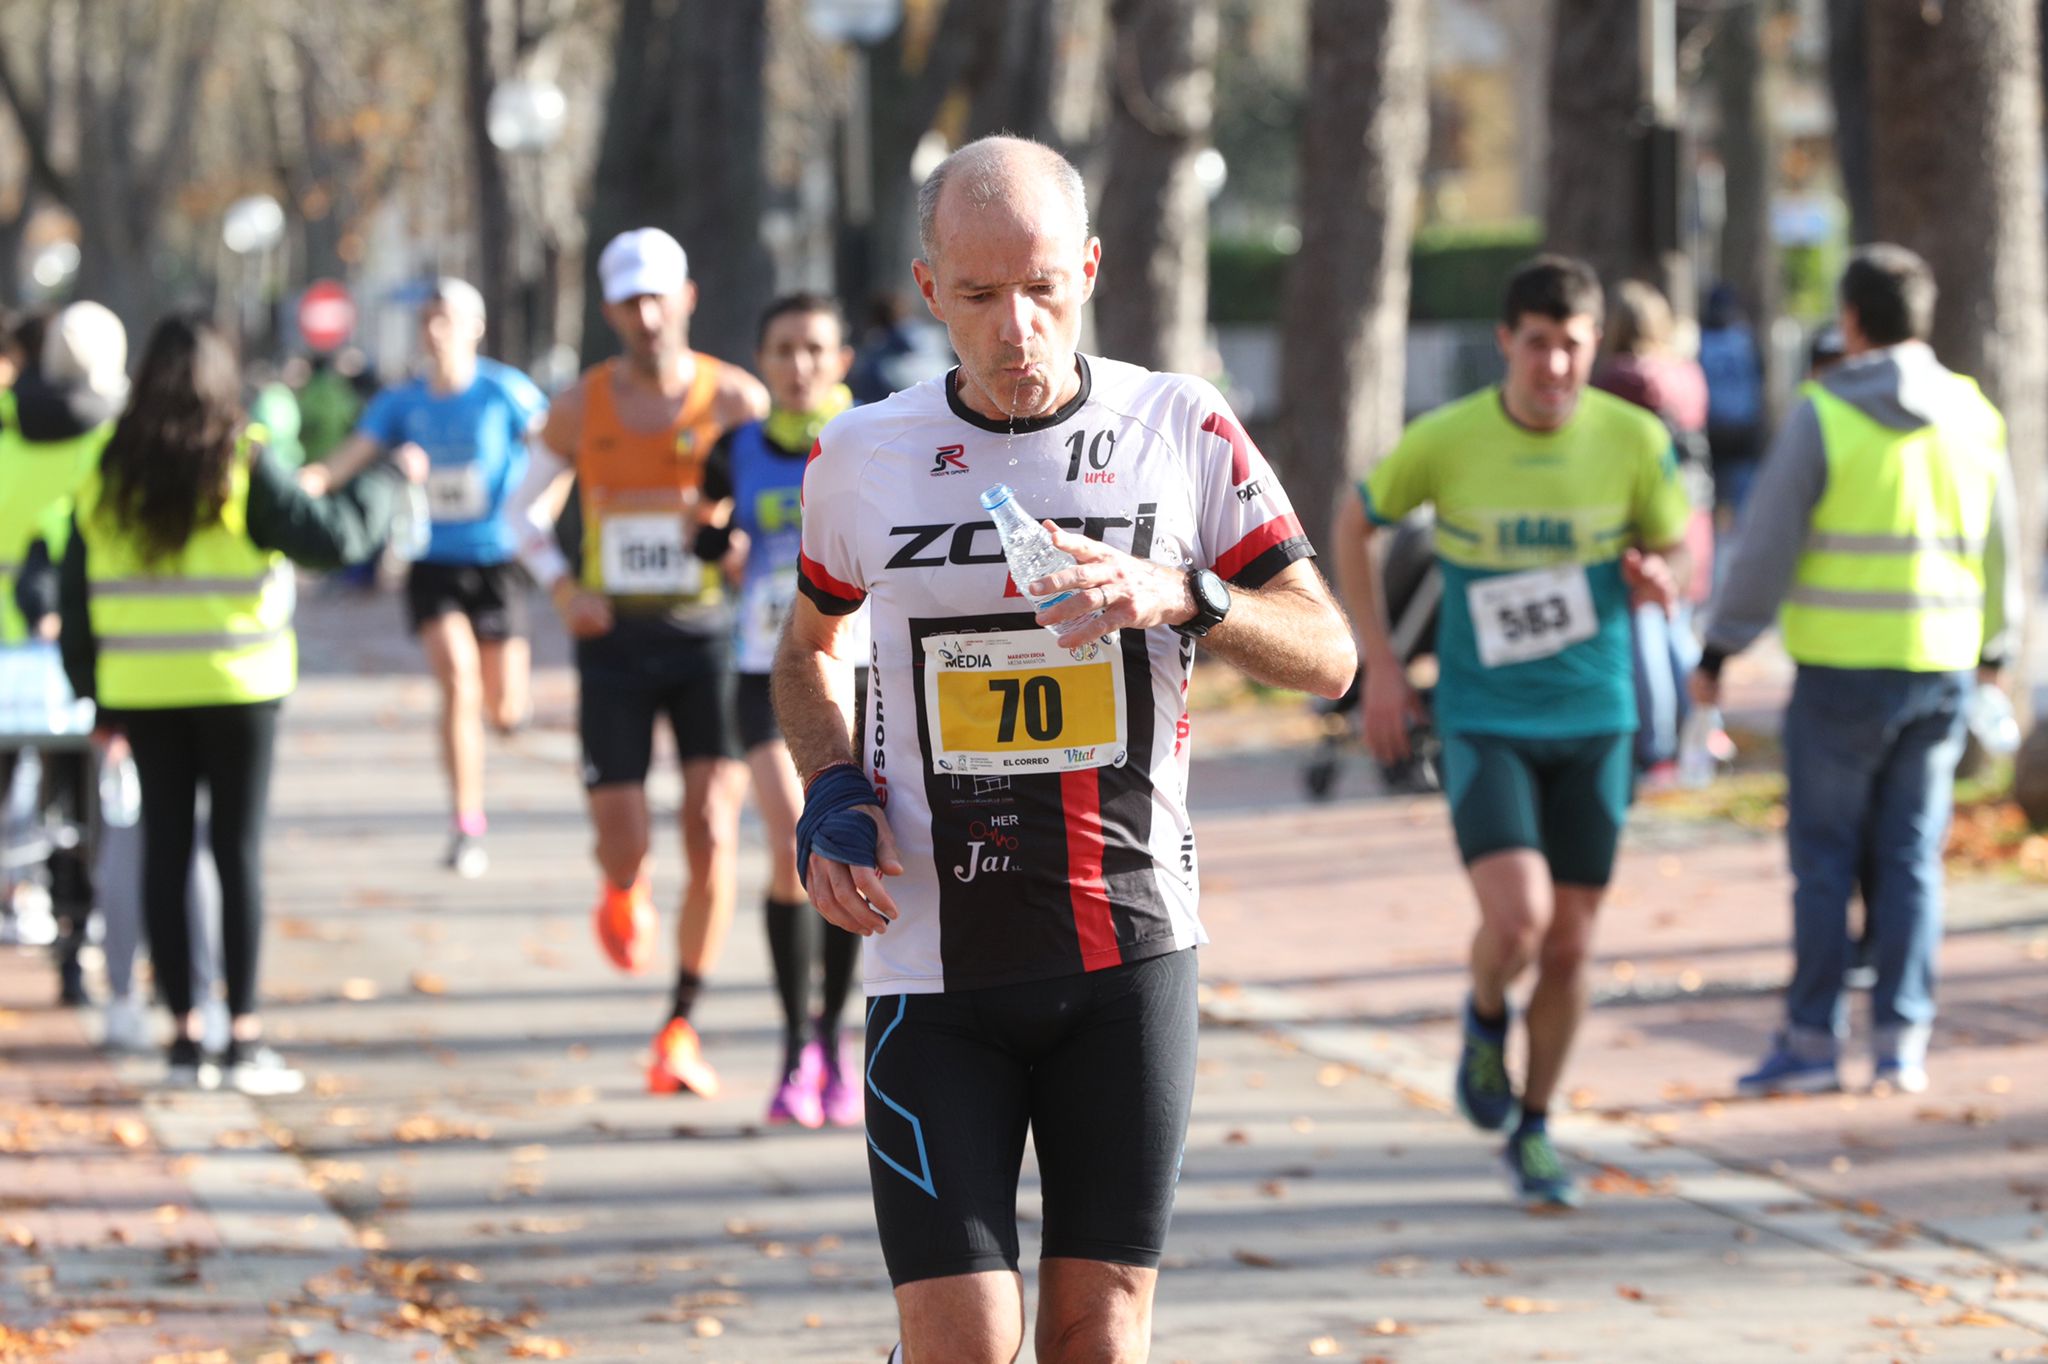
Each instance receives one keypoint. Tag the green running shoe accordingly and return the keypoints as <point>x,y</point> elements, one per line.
<point>1538,1176</point>
<point>1485,1094</point>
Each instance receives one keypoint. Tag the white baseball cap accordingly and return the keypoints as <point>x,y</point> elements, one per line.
<point>457,296</point>
<point>87,347</point>
<point>645,260</point>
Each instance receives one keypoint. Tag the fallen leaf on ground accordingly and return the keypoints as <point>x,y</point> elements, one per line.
<point>1482,1269</point>
<point>358,989</point>
<point>1387,1326</point>
<point>1323,1347</point>
<point>427,983</point>
<point>1252,1259</point>
<point>1522,1307</point>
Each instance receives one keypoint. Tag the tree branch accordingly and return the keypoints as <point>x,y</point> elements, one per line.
<point>30,117</point>
<point>172,152</point>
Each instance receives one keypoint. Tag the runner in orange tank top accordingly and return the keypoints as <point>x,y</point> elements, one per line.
<point>649,614</point>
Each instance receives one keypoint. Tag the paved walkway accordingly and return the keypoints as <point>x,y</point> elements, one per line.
<point>475,1173</point>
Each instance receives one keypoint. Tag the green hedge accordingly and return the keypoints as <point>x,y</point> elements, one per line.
<point>1457,273</point>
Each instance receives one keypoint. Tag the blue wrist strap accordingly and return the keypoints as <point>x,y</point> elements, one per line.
<point>831,826</point>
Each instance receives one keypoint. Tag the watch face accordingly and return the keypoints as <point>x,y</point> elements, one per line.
<point>1210,594</point>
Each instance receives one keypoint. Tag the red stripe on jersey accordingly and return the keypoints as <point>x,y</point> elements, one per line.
<point>1277,531</point>
<point>825,582</point>
<point>1216,424</point>
<point>1081,801</point>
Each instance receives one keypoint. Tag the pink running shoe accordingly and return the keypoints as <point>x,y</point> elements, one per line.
<point>796,1098</point>
<point>840,1097</point>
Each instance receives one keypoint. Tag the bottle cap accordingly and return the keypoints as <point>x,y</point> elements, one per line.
<point>995,497</point>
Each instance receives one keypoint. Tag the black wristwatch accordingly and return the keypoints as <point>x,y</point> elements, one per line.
<point>1212,603</point>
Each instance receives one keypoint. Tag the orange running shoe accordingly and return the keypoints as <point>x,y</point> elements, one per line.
<point>679,1063</point>
<point>626,925</point>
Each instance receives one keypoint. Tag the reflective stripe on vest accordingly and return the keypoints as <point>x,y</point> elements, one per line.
<point>1892,574</point>
<point>207,626</point>
<point>34,477</point>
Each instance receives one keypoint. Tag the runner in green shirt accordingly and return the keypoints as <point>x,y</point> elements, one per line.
<point>1556,506</point>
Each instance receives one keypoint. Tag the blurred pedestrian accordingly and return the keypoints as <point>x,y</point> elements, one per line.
<point>1884,521</point>
<point>176,600</point>
<point>1735,399</point>
<point>1558,509</point>
<point>466,596</point>
<point>53,423</point>
<point>887,351</point>
<point>1644,367</point>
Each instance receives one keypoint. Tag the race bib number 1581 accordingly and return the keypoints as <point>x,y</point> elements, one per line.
<point>1016,701</point>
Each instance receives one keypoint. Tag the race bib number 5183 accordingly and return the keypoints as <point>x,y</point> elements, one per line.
<point>1016,701</point>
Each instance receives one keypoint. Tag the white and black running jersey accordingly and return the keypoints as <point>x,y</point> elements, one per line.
<point>1038,795</point>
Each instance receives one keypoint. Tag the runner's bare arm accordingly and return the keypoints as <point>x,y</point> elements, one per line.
<point>813,688</point>
<point>1286,633</point>
<point>1389,702</point>
<point>355,454</point>
<point>741,398</point>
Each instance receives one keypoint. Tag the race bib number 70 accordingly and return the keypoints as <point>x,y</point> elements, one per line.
<point>1015,701</point>
<point>1520,617</point>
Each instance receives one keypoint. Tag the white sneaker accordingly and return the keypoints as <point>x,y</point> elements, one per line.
<point>258,1071</point>
<point>126,1026</point>
<point>466,856</point>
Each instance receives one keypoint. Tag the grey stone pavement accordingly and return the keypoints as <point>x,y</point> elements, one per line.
<point>475,1172</point>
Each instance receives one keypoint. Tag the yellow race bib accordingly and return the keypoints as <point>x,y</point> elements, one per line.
<point>1015,701</point>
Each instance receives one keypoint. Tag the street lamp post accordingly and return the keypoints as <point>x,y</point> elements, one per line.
<point>250,230</point>
<point>859,24</point>
<point>523,120</point>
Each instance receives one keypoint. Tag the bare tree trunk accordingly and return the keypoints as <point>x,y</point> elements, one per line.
<point>1957,140</point>
<point>681,151</point>
<point>1347,290</point>
<point>1153,213</point>
<point>1849,87</point>
<point>1599,201</point>
<point>1749,258</point>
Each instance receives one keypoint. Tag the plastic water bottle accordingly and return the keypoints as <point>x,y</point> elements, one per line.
<point>1030,551</point>
<point>1989,715</point>
<point>1696,747</point>
<point>412,523</point>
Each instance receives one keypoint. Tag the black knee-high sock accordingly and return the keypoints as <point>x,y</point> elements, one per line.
<point>789,948</point>
<point>842,957</point>
<point>688,983</point>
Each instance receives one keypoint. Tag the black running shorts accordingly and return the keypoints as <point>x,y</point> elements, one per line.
<point>493,596</point>
<point>646,669</point>
<point>1100,1070</point>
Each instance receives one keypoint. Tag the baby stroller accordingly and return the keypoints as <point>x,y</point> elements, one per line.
<point>1414,589</point>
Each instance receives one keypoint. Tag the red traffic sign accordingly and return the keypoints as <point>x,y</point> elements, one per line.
<point>326,314</point>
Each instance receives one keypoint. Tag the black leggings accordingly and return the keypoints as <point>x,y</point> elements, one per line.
<point>230,748</point>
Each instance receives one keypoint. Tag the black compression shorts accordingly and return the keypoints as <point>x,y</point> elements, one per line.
<point>1099,1068</point>
<point>639,671</point>
<point>493,596</point>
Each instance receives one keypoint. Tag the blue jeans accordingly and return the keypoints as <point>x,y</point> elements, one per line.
<point>1870,760</point>
<point>1665,655</point>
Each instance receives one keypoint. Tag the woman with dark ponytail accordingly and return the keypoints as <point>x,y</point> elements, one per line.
<point>177,597</point>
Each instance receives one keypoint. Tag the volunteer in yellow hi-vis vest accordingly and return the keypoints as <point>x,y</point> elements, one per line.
<point>649,614</point>
<point>176,599</point>
<point>1884,523</point>
<point>53,421</point>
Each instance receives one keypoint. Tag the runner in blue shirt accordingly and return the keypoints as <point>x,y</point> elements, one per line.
<point>803,359</point>
<point>466,595</point>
